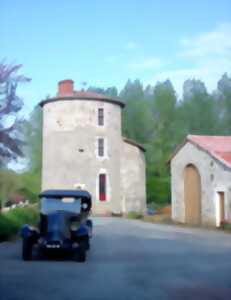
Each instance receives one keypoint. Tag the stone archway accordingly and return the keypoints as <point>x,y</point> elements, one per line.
<point>192,195</point>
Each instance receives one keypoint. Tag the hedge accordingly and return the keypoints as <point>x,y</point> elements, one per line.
<point>12,221</point>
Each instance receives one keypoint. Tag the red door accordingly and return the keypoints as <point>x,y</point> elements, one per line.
<point>102,187</point>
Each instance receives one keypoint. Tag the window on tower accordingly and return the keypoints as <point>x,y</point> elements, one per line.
<point>102,187</point>
<point>101,147</point>
<point>100,116</point>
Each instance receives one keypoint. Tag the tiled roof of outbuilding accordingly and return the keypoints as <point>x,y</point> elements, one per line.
<point>219,147</point>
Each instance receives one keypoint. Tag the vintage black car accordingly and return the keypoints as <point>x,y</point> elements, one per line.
<point>64,226</point>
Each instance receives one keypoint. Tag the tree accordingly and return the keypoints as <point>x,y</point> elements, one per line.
<point>224,103</point>
<point>110,92</point>
<point>136,115</point>
<point>31,178</point>
<point>10,104</point>
<point>9,182</point>
<point>198,113</point>
<point>161,144</point>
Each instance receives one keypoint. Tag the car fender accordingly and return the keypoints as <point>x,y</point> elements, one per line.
<point>29,232</point>
<point>82,231</point>
<point>89,224</point>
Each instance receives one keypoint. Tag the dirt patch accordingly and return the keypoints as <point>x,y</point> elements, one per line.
<point>163,215</point>
<point>166,210</point>
<point>158,218</point>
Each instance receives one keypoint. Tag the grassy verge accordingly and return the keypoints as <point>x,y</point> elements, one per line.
<point>134,215</point>
<point>11,222</point>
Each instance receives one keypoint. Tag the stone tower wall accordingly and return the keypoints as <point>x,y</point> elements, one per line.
<point>70,156</point>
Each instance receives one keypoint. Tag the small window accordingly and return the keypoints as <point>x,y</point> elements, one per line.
<point>100,116</point>
<point>102,187</point>
<point>101,147</point>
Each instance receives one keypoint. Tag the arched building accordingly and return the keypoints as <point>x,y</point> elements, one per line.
<point>83,145</point>
<point>201,180</point>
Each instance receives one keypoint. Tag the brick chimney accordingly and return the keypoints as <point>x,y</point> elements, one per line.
<point>66,88</point>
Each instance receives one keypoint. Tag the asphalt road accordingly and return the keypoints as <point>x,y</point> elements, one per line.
<point>128,260</point>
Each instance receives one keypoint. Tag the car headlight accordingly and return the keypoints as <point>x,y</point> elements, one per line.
<point>84,206</point>
<point>74,226</point>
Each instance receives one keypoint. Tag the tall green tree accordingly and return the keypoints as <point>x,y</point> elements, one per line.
<point>31,178</point>
<point>224,103</point>
<point>198,110</point>
<point>136,114</point>
<point>163,139</point>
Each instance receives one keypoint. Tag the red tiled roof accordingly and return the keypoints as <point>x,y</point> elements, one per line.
<point>217,146</point>
<point>84,95</point>
<point>66,92</point>
<point>90,95</point>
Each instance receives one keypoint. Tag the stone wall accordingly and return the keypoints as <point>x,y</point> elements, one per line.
<point>133,178</point>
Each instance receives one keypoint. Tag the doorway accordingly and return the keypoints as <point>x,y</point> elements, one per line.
<point>192,195</point>
<point>221,207</point>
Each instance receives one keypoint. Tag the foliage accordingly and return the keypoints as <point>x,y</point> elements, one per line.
<point>12,221</point>
<point>10,104</point>
<point>224,103</point>
<point>225,225</point>
<point>136,114</point>
<point>197,111</point>
<point>31,178</point>
<point>9,182</point>
<point>110,92</point>
<point>134,215</point>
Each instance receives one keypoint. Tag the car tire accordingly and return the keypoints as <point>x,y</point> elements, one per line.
<point>81,255</point>
<point>88,246</point>
<point>26,249</point>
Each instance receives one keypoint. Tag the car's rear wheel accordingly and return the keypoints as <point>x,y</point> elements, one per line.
<point>27,249</point>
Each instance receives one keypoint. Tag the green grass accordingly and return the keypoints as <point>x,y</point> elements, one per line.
<point>134,215</point>
<point>226,226</point>
<point>12,221</point>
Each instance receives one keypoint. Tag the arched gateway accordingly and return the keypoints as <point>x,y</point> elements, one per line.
<point>192,195</point>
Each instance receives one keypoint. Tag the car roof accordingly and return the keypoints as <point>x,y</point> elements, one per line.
<point>65,193</point>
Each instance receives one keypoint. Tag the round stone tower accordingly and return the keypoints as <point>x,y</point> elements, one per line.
<point>82,145</point>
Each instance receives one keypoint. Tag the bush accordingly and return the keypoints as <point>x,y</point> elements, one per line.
<point>134,215</point>
<point>225,225</point>
<point>158,189</point>
<point>11,222</point>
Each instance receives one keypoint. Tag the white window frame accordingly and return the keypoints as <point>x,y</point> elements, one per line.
<point>98,109</point>
<point>108,187</point>
<point>105,156</point>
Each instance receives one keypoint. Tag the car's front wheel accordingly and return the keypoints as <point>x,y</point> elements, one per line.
<point>27,249</point>
<point>81,253</point>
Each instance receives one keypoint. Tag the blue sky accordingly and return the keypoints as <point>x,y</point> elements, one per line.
<point>106,42</point>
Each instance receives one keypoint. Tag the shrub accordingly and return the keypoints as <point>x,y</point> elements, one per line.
<point>225,225</point>
<point>134,215</point>
<point>11,222</point>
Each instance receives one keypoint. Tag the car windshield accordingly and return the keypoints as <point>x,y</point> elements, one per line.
<point>49,205</point>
